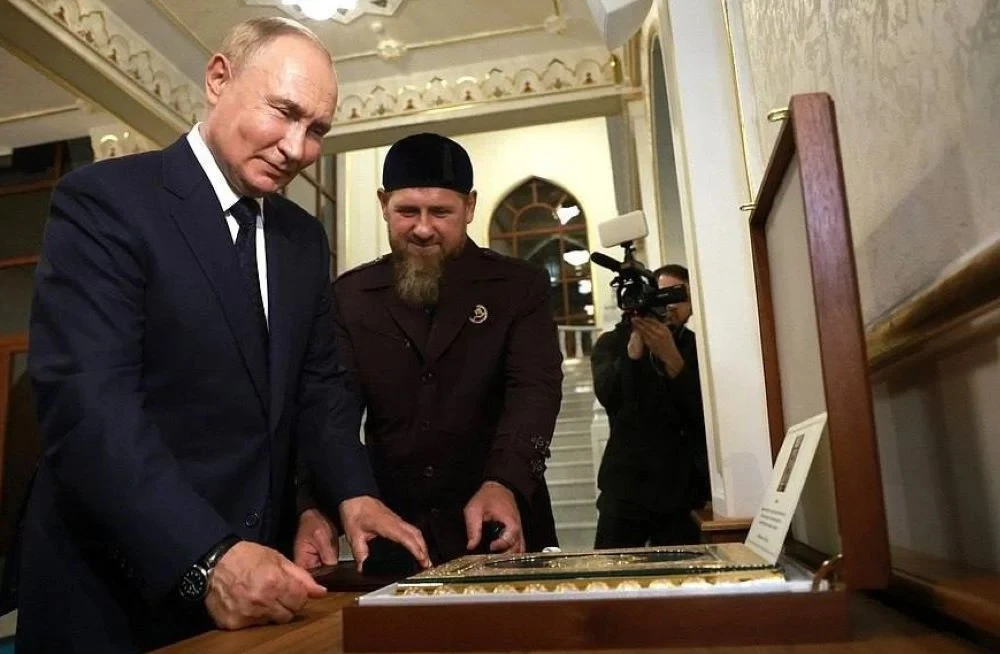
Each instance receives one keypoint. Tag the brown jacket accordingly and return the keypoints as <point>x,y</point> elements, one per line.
<point>459,396</point>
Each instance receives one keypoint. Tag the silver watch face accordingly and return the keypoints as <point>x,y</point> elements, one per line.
<point>194,584</point>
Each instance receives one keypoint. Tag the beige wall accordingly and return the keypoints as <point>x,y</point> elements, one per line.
<point>915,83</point>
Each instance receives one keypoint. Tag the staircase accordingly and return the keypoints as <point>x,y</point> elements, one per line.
<point>571,473</point>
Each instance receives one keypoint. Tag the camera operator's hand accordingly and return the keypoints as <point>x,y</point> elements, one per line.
<point>636,348</point>
<point>660,342</point>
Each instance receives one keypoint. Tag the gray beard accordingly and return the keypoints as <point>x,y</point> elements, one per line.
<point>417,281</point>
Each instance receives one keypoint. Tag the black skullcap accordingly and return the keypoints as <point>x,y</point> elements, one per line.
<point>427,161</point>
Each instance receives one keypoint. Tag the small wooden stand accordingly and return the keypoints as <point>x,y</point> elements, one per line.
<point>720,530</point>
<point>702,621</point>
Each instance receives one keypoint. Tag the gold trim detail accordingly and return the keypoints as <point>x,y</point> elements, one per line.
<point>962,304</point>
<point>497,85</point>
<point>778,115</point>
<point>739,96</point>
<point>38,113</point>
<point>96,26</point>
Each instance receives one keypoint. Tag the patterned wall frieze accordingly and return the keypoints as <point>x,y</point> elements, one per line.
<point>500,83</point>
<point>98,28</point>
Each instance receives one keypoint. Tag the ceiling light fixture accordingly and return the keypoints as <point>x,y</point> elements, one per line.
<point>566,214</point>
<point>322,9</point>
<point>576,258</point>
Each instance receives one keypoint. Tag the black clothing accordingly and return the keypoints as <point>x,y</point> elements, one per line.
<point>655,465</point>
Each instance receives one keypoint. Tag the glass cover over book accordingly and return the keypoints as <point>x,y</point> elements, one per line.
<point>613,569</point>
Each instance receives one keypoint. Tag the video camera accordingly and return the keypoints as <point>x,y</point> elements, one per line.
<point>636,289</point>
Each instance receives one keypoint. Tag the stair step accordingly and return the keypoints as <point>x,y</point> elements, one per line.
<point>572,463</point>
<point>585,524</point>
<point>575,415</point>
<point>571,449</point>
<point>581,472</point>
<point>570,489</point>
<point>572,441</point>
<point>576,538</point>
<point>577,437</point>
<point>578,422</point>
<point>575,511</point>
<point>582,466</point>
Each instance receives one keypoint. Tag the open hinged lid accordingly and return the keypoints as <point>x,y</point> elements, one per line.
<point>813,343</point>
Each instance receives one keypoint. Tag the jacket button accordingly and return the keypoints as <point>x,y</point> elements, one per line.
<point>425,425</point>
<point>252,520</point>
<point>429,472</point>
<point>428,377</point>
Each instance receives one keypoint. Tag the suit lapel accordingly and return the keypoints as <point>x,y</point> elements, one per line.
<point>407,320</point>
<point>195,208</point>
<point>457,301</point>
<point>281,293</point>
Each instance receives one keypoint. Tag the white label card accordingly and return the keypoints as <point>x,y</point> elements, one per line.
<point>770,525</point>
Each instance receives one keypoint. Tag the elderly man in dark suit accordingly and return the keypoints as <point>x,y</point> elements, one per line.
<point>456,355</point>
<point>182,352</point>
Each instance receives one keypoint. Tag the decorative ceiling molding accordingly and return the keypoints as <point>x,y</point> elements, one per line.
<point>38,113</point>
<point>95,26</point>
<point>342,15</point>
<point>556,24</point>
<point>498,85</point>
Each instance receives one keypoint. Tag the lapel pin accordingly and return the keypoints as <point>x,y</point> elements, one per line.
<point>479,315</point>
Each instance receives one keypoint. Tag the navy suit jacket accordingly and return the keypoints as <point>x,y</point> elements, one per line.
<point>165,430</point>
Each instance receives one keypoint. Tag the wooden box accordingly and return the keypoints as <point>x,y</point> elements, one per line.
<point>814,361</point>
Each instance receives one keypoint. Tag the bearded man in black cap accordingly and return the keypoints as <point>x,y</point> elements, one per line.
<point>455,353</point>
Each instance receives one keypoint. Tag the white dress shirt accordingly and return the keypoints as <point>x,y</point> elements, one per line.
<point>227,198</point>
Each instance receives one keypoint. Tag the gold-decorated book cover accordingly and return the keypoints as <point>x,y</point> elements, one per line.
<point>638,571</point>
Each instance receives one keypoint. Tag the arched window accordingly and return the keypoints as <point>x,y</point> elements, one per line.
<point>541,222</point>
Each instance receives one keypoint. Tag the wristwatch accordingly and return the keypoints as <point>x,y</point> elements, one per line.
<point>194,583</point>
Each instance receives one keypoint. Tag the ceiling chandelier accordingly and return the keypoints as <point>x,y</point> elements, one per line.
<point>342,11</point>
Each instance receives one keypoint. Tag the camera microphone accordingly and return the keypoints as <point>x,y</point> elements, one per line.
<point>604,261</point>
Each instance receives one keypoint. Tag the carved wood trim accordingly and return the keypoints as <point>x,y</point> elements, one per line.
<point>964,304</point>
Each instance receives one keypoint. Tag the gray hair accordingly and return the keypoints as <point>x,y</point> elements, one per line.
<point>246,39</point>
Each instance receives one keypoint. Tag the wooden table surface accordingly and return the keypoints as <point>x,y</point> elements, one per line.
<point>877,629</point>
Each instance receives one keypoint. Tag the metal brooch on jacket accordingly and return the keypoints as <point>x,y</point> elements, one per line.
<point>479,315</point>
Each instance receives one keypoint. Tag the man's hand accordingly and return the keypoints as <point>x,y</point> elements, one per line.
<point>364,518</point>
<point>636,348</point>
<point>316,541</point>
<point>494,501</point>
<point>253,585</point>
<point>660,342</point>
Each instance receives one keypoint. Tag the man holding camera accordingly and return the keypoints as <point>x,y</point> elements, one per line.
<point>655,466</point>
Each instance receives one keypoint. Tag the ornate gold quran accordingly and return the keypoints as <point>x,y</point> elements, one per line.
<point>652,568</point>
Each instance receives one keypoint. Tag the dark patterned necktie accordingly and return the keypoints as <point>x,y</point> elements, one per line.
<point>245,212</point>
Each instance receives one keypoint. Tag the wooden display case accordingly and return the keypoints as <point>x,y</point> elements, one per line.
<point>814,359</point>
